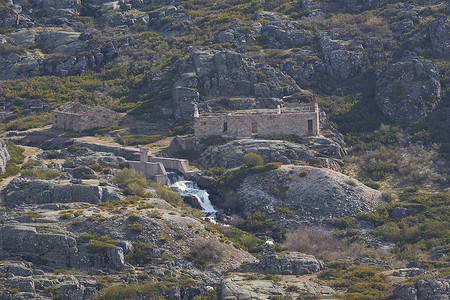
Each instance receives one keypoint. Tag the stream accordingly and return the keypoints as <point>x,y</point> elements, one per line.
<point>185,187</point>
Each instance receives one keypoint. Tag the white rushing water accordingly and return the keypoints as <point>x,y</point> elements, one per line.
<point>186,187</point>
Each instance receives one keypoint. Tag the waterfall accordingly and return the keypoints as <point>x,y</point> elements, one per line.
<point>184,187</point>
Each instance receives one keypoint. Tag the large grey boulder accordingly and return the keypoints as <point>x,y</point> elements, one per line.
<point>285,34</point>
<point>341,63</point>
<point>18,66</point>
<point>10,269</point>
<point>24,37</point>
<point>291,263</point>
<point>64,42</point>
<point>305,67</point>
<point>440,35</point>
<point>432,289</point>
<point>408,90</point>
<point>424,289</point>
<point>311,195</point>
<point>25,241</point>
<point>71,291</point>
<point>21,190</point>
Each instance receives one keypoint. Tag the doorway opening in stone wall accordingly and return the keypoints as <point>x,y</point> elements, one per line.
<point>310,126</point>
<point>254,128</point>
<point>225,128</point>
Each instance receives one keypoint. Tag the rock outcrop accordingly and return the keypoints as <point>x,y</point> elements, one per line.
<point>296,195</point>
<point>440,36</point>
<point>210,74</point>
<point>230,154</point>
<point>57,250</point>
<point>21,190</point>
<point>4,156</point>
<point>408,91</point>
<point>424,289</point>
<point>285,34</point>
<point>342,63</point>
<point>286,263</point>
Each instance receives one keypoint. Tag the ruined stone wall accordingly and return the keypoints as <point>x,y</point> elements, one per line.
<point>66,121</point>
<point>87,118</point>
<point>99,117</point>
<point>257,124</point>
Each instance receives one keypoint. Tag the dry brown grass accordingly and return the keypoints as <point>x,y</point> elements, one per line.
<point>321,242</point>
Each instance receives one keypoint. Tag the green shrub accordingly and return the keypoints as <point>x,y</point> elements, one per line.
<point>155,215</point>
<point>15,153</point>
<point>388,196</point>
<point>41,173</point>
<point>146,290</point>
<point>53,155</point>
<point>342,223</point>
<point>32,214</point>
<point>303,173</point>
<point>315,162</point>
<point>96,167</point>
<point>259,223</point>
<point>134,183</point>
<point>350,182</point>
<point>137,228</point>
<point>141,254</point>
<point>65,216</point>
<point>96,246</point>
<point>168,195</point>
<point>133,218</point>
<point>253,159</point>
<point>73,148</point>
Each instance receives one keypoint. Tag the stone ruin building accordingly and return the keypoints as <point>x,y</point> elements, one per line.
<point>301,121</point>
<point>156,168</point>
<point>78,117</point>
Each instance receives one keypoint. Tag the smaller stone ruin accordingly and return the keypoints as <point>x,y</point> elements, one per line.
<point>77,117</point>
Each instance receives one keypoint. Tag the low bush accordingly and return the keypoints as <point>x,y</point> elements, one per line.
<point>259,223</point>
<point>361,282</point>
<point>96,246</point>
<point>73,148</point>
<point>133,182</point>
<point>204,252</point>
<point>53,155</point>
<point>44,174</point>
<point>136,228</point>
<point>315,241</point>
<point>252,159</point>
<point>303,173</point>
<point>141,254</point>
<point>146,290</point>
<point>168,195</point>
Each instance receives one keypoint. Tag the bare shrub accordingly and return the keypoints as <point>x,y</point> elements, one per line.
<point>204,252</point>
<point>316,241</point>
<point>322,242</point>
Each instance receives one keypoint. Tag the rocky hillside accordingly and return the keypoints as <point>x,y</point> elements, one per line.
<point>75,223</point>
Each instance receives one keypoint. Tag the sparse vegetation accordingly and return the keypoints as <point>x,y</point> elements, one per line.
<point>133,182</point>
<point>253,160</point>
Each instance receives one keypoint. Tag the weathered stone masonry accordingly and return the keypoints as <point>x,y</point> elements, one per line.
<point>78,117</point>
<point>301,121</point>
